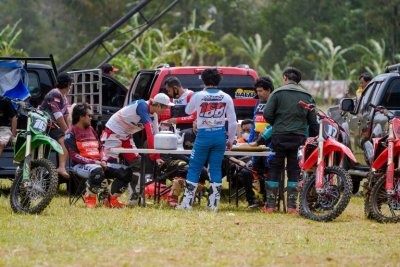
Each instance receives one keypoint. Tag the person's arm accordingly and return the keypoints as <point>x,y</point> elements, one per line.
<point>253,127</point>
<point>14,126</point>
<point>232,123</point>
<point>142,111</point>
<point>55,103</point>
<point>269,110</point>
<point>70,144</point>
<point>187,119</point>
<point>191,106</point>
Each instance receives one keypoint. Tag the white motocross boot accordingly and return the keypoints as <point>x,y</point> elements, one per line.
<point>188,196</point>
<point>214,196</point>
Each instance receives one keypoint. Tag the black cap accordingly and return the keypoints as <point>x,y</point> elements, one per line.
<point>107,68</point>
<point>63,80</point>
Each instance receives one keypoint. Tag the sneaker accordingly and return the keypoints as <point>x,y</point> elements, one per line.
<point>90,201</point>
<point>265,209</point>
<point>292,211</point>
<point>112,202</point>
<point>172,201</point>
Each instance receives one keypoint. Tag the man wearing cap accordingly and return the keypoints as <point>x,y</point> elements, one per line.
<point>108,69</point>
<point>135,117</point>
<point>56,104</point>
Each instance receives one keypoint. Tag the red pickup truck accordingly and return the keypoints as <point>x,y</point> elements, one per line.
<point>238,82</point>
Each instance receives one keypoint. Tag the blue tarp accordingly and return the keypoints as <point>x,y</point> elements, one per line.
<point>13,80</point>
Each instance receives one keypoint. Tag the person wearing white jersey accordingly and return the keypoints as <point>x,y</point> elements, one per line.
<point>212,107</point>
<point>135,117</point>
<point>181,97</point>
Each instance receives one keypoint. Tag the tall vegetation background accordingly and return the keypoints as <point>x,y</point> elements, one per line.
<point>326,39</point>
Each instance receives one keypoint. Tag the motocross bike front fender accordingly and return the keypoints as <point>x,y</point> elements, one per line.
<point>36,141</point>
<point>382,159</point>
<point>330,145</point>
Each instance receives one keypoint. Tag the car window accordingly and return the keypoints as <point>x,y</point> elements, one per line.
<point>367,95</point>
<point>237,86</point>
<point>143,85</point>
<point>391,99</point>
<point>34,84</point>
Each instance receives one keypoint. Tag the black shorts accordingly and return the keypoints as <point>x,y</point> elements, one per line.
<point>56,133</point>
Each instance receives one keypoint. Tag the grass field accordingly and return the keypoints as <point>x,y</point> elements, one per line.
<point>158,236</point>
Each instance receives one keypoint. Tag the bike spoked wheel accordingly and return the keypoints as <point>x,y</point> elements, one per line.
<point>34,195</point>
<point>385,208</point>
<point>328,205</point>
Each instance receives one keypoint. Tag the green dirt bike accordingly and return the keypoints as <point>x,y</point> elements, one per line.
<point>36,178</point>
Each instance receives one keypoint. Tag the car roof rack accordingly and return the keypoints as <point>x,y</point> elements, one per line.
<point>393,68</point>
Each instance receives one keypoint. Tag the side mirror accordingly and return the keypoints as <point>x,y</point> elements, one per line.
<point>347,105</point>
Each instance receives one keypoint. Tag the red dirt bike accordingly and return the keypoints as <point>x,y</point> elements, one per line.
<point>326,187</point>
<point>383,201</point>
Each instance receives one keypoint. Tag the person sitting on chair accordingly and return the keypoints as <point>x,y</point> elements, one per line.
<point>84,150</point>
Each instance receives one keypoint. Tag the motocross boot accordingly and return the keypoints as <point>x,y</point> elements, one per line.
<point>292,194</point>
<point>188,196</point>
<point>271,193</point>
<point>112,202</point>
<point>90,201</point>
<point>214,196</point>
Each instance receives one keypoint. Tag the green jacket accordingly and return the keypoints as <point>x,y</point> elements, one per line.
<point>285,115</point>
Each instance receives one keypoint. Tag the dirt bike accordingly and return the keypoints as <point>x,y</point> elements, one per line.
<point>36,178</point>
<point>325,186</point>
<point>383,201</point>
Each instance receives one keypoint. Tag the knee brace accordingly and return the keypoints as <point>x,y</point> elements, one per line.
<point>96,176</point>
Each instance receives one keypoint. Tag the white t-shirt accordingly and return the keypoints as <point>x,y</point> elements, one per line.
<point>213,106</point>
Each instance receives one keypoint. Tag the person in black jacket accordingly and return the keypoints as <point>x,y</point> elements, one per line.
<point>289,128</point>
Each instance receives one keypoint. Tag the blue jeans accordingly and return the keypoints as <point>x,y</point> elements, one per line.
<point>209,146</point>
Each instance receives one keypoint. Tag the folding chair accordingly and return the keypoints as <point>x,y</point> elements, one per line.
<point>76,185</point>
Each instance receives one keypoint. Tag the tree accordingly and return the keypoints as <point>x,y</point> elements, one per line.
<point>255,51</point>
<point>9,36</point>
<point>327,58</point>
<point>373,59</point>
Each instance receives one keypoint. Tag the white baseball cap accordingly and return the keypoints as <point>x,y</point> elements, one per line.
<point>162,98</point>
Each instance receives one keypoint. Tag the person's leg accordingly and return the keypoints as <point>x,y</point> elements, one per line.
<point>122,176</point>
<point>196,163</point>
<point>277,164</point>
<point>247,179</point>
<point>215,158</point>
<point>62,159</point>
<point>293,173</point>
<point>95,176</point>
<point>5,136</point>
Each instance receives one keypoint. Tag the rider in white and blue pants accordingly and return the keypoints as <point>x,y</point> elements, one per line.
<point>213,107</point>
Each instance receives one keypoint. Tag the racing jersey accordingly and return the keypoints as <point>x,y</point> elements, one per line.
<point>55,103</point>
<point>259,123</point>
<point>134,118</point>
<point>212,107</point>
<point>183,121</point>
<point>83,145</point>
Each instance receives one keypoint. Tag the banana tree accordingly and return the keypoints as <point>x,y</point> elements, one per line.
<point>255,51</point>
<point>328,58</point>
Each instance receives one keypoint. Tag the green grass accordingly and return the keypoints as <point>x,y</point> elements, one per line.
<point>158,236</point>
